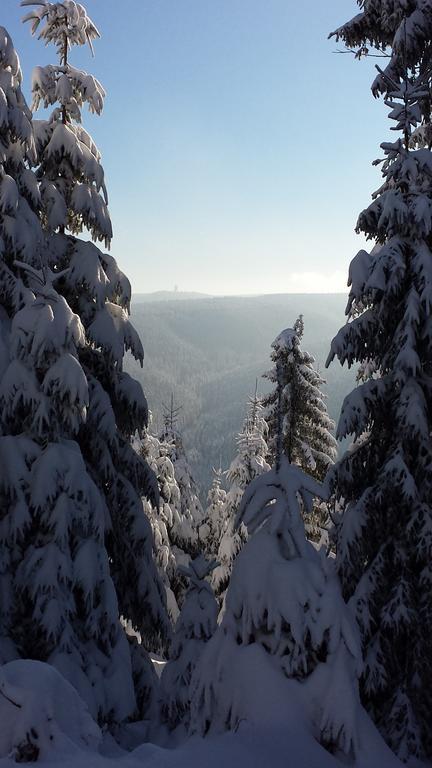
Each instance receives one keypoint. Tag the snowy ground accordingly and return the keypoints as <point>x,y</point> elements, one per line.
<point>250,747</point>
<point>275,735</point>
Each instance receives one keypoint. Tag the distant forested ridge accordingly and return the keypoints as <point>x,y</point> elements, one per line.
<point>209,353</point>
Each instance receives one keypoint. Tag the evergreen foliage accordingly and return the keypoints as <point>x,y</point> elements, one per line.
<point>76,547</point>
<point>402,30</point>
<point>195,625</point>
<point>190,509</point>
<point>249,463</point>
<point>20,233</point>
<point>173,533</point>
<point>306,427</point>
<point>211,530</point>
<point>285,597</point>
<point>60,604</point>
<point>384,483</point>
<point>71,177</point>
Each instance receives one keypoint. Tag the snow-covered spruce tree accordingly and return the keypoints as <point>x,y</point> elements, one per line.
<point>53,605</point>
<point>384,483</point>
<point>284,603</point>
<point>249,462</point>
<point>191,510</point>
<point>59,602</point>
<point>195,626</point>
<point>20,237</point>
<point>307,438</point>
<point>306,427</point>
<point>71,182</point>
<point>214,515</point>
<point>402,30</point>
<point>20,230</point>
<point>173,533</point>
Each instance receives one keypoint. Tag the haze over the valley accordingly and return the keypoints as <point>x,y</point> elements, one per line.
<point>209,352</point>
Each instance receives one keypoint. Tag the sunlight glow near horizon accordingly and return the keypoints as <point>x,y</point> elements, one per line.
<point>237,148</point>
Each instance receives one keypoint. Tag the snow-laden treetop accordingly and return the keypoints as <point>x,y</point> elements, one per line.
<point>290,338</point>
<point>73,191</point>
<point>61,23</point>
<point>286,340</point>
<point>64,24</point>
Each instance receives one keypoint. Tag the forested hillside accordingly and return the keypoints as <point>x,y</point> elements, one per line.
<point>209,353</point>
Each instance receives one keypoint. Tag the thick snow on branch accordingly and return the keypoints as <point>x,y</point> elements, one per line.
<point>61,23</point>
<point>283,596</point>
<point>295,409</point>
<point>383,483</point>
<point>249,463</point>
<point>195,626</point>
<point>73,192</point>
<point>401,30</point>
<point>69,86</point>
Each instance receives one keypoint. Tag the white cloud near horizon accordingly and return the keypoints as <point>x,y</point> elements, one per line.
<point>316,282</point>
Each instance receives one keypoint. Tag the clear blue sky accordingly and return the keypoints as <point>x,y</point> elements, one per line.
<point>237,146</point>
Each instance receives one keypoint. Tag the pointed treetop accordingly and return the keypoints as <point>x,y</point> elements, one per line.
<point>290,337</point>
<point>299,326</point>
<point>72,184</point>
<point>66,21</point>
<point>285,340</point>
